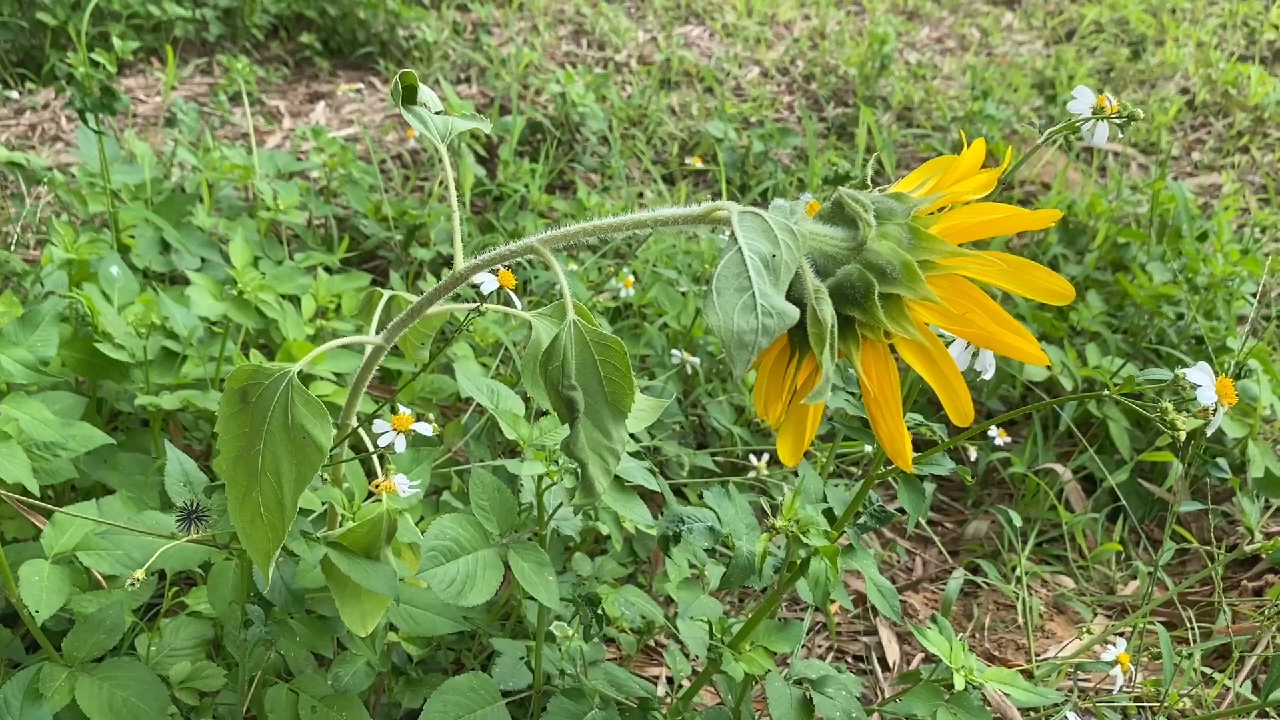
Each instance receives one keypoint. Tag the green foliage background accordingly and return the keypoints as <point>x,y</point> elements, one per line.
<point>116,353</point>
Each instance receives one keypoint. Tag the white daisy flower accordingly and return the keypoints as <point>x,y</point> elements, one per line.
<point>681,357</point>
<point>963,352</point>
<point>695,162</point>
<point>998,436</point>
<point>488,282</point>
<point>867,449</point>
<point>1215,392</point>
<point>1117,652</point>
<point>396,432</point>
<point>625,284</point>
<point>759,463</point>
<point>971,451</point>
<point>404,486</point>
<point>350,88</point>
<point>1086,103</point>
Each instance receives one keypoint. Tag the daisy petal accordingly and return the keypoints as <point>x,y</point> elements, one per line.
<point>1207,394</point>
<point>380,426</point>
<point>515,300</point>
<point>1084,92</point>
<point>423,428</point>
<point>1100,132</point>
<point>400,443</point>
<point>1217,419</point>
<point>1080,107</point>
<point>1199,374</point>
<point>386,439</point>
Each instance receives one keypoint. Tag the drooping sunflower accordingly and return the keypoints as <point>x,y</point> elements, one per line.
<point>911,271</point>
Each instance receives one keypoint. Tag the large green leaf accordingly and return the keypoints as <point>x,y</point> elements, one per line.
<point>93,636</point>
<point>273,437</point>
<point>372,531</point>
<point>420,613</point>
<point>359,607</point>
<point>183,479</point>
<point>493,504</point>
<point>471,696</point>
<point>425,112</point>
<point>370,574</point>
<point>587,376</point>
<point>786,702</point>
<point>44,587</point>
<point>533,569</point>
<point>28,418</point>
<point>459,562</point>
<point>20,697</point>
<point>747,305</point>
<point>882,594</point>
<point>15,466</point>
<point>122,689</point>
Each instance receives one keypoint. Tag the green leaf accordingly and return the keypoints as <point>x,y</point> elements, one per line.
<point>273,437</point>
<point>645,411</point>
<point>22,414</point>
<point>183,478</point>
<point>587,375</point>
<point>415,342</point>
<point>493,504</point>
<point>882,594</point>
<point>511,672</point>
<point>835,697</point>
<point>373,530</point>
<point>498,399</point>
<point>44,587</point>
<point>181,638</point>
<point>10,308</point>
<point>785,701</point>
<point>531,566</point>
<point>747,305</point>
<point>120,688</point>
<point>117,281</point>
<point>15,466</point>
<point>360,608</point>
<point>58,685</point>
<point>420,613</point>
<point>370,574</point>
<point>820,326</point>
<point>96,634</point>
<point>1018,689</point>
<point>20,697</point>
<point>459,562</point>
<point>470,696</point>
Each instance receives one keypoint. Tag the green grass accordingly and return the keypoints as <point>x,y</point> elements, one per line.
<point>1093,520</point>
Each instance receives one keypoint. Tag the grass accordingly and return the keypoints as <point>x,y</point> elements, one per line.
<point>1087,523</point>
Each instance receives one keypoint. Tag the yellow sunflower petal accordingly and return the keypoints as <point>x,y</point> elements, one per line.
<point>1016,274</point>
<point>797,432</point>
<point>882,397</point>
<point>918,182</point>
<point>765,394</point>
<point>979,221</point>
<point>929,358</point>
<point>978,185</point>
<point>779,383</point>
<point>969,162</point>
<point>970,314</point>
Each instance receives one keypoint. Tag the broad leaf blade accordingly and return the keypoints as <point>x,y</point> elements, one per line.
<point>273,437</point>
<point>587,376</point>
<point>493,504</point>
<point>459,562</point>
<point>471,696</point>
<point>747,305</point>
<point>533,569</point>
<point>122,688</point>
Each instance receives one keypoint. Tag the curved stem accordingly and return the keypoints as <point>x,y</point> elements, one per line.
<point>455,212</point>
<point>373,451</point>
<point>713,213</point>
<point>565,291</point>
<point>103,521</point>
<point>156,554</point>
<point>11,589</point>
<point>444,308</point>
<point>353,340</point>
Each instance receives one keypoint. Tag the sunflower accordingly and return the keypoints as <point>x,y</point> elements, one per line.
<point>894,313</point>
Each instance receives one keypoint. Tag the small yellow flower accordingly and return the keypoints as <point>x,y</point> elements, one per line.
<point>506,278</point>
<point>1215,392</point>
<point>410,133</point>
<point>396,431</point>
<point>487,282</point>
<point>812,207</point>
<point>694,161</point>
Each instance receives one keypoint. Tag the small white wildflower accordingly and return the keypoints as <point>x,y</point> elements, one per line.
<point>1216,392</point>
<point>396,432</point>
<point>998,436</point>
<point>624,283</point>
<point>350,88</point>
<point>695,162</point>
<point>1086,103</point>
<point>867,449</point>
<point>404,486</point>
<point>690,361</point>
<point>759,464</point>
<point>963,351</point>
<point>971,451</point>
<point>1118,652</point>
<point>488,282</point>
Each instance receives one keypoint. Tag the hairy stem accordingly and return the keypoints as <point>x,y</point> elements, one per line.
<point>353,340</point>
<point>565,291</point>
<point>713,213</point>
<point>455,212</point>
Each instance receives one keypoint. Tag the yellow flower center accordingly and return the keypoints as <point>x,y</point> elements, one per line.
<point>1105,105</point>
<point>696,160</point>
<point>812,207</point>
<point>629,282</point>
<point>1000,433</point>
<point>410,133</point>
<point>1123,660</point>
<point>401,422</point>
<point>506,278</point>
<point>1226,389</point>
